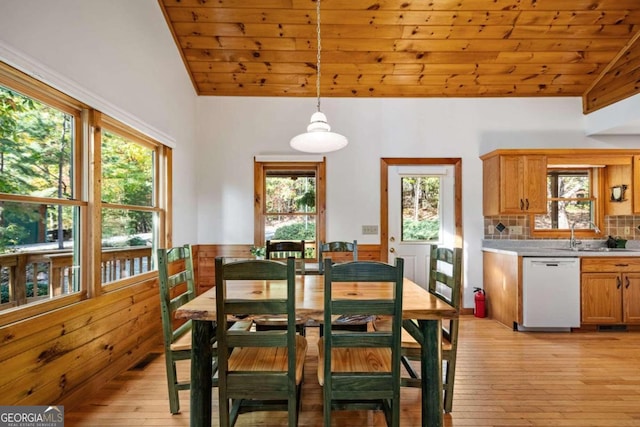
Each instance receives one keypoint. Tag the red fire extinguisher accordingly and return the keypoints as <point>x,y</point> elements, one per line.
<point>480,300</point>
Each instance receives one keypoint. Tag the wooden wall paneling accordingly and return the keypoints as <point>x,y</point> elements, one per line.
<point>369,252</point>
<point>206,255</point>
<point>72,356</point>
<point>111,370</point>
<point>205,261</point>
<point>15,337</point>
<point>195,253</point>
<point>70,368</point>
<point>55,358</point>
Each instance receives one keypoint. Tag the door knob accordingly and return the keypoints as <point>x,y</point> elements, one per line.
<point>392,239</point>
<point>392,250</point>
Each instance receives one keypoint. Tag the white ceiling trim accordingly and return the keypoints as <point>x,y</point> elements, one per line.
<point>46,75</point>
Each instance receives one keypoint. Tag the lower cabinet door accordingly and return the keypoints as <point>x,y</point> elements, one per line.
<point>601,300</point>
<point>631,297</point>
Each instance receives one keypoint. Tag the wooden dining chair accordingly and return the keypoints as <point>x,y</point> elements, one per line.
<point>445,282</point>
<point>264,369</point>
<point>175,270</point>
<point>361,369</point>
<point>341,251</point>
<point>284,249</point>
<point>177,287</point>
<point>338,251</point>
<point>281,250</point>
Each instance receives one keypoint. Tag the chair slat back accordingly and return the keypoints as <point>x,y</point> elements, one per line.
<point>284,249</point>
<point>177,287</point>
<point>357,385</point>
<point>445,282</point>
<point>250,384</point>
<point>446,274</point>
<point>339,248</point>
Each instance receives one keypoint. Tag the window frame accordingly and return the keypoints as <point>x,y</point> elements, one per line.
<point>104,122</point>
<point>596,179</point>
<point>86,171</point>
<point>32,88</point>
<point>260,173</point>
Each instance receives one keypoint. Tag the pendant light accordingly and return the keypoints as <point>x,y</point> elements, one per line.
<point>318,138</point>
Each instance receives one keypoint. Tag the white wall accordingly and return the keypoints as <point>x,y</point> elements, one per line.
<point>118,56</point>
<point>232,130</point>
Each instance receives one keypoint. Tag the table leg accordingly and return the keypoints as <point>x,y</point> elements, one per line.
<point>201,373</point>
<point>431,372</point>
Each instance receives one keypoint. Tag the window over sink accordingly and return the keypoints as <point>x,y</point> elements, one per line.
<point>571,201</point>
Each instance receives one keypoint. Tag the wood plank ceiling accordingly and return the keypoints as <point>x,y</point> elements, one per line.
<point>411,48</point>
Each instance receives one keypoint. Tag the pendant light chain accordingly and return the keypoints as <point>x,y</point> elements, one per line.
<point>318,138</point>
<point>319,49</point>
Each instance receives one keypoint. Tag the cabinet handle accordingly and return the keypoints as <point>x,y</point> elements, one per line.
<point>622,265</point>
<point>626,279</point>
<point>521,205</point>
<point>527,202</point>
<point>619,282</point>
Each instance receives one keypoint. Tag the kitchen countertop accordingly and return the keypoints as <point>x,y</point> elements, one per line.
<point>559,248</point>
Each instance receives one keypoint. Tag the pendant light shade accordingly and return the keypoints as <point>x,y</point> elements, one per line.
<point>318,138</point>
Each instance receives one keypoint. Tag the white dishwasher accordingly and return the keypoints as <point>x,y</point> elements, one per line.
<point>550,293</point>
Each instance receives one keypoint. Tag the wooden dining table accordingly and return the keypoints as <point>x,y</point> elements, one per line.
<point>418,305</point>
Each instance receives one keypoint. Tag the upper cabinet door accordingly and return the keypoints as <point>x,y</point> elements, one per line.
<point>515,184</point>
<point>535,184</point>
<point>512,170</point>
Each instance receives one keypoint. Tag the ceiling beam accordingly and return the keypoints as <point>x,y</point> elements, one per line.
<point>619,80</point>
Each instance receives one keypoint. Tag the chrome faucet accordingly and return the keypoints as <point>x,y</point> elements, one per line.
<point>573,242</point>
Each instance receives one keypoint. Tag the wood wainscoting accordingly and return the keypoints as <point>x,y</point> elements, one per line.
<point>63,356</point>
<point>205,255</point>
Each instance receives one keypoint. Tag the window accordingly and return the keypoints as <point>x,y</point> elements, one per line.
<point>421,208</point>
<point>570,201</point>
<point>39,208</point>
<point>129,210</point>
<point>290,203</point>
<point>53,219</point>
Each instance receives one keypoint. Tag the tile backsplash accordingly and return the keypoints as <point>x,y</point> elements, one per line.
<point>517,227</point>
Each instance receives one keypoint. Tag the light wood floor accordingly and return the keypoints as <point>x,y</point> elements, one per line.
<point>504,378</point>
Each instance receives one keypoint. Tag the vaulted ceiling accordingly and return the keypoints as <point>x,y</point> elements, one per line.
<point>411,48</point>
